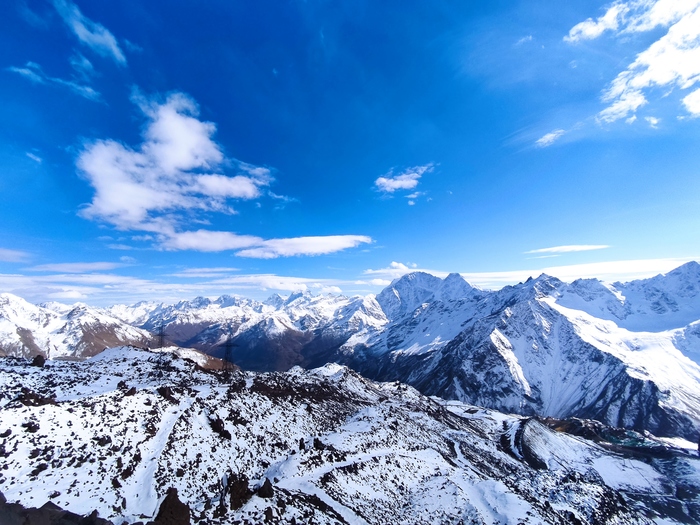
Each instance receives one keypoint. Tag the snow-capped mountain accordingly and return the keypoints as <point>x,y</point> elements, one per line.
<point>520,350</point>
<point>117,433</point>
<point>56,330</point>
<point>625,354</point>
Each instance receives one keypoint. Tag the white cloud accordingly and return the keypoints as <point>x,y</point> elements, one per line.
<point>209,241</point>
<point>207,273</point>
<point>320,245</point>
<point>397,269</point>
<point>406,180</point>
<point>178,167</point>
<point>550,138</point>
<point>13,255</point>
<point>34,73</point>
<point>175,172</point>
<point>90,33</point>
<point>258,248</point>
<point>570,248</point>
<point>692,103</point>
<point>82,66</point>
<point>673,60</point>
<point>653,121</point>
<point>590,28</point>
<point>524,40</point>
<point>35,158</point>
<point>79,267</point>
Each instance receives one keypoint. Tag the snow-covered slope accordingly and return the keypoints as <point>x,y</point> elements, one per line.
<point>527,349</point>
<point>664,302</point>
<point>624,353</point>
<point>54,330</point>
<point>115,432</point>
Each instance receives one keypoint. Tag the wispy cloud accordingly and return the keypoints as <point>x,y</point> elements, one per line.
<point>549,138</point>
<point>78,267</point>
<point>35,158</point>
<point>570,248</point>
<point>609,271</point>
<point>321,245</point>
<point>30,16</point>
<point>105,289</point>
<point>406,180</point>
<point>207,273</point>
<point>93,35</point>
<point>397,269</point>
<point>13,255</point>
<point>177,171</point>
<point>82,67</point>
<point>35,74</point>
<point>671,61</point>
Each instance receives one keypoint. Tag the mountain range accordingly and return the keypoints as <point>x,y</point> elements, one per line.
<point>625,354</point>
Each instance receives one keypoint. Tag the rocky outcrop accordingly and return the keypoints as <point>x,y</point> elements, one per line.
<point>172,511</point>
<point>47,514</point>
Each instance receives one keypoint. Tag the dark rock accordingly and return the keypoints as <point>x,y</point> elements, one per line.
<point>172,511</point>
<point>32,399</point>
<point>130,392</point>
<point>167,393</point>
<point>7,433</point>
<point>103,440</point>
<point>41,467</point>
<point>266,490</point>
<point>217,425</point>
<point>31,426</point>
<point>39,360</point>
<point>238,490</point>
<point>48,514</point>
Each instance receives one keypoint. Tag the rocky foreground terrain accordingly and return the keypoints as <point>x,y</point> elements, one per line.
<point>129,432</point>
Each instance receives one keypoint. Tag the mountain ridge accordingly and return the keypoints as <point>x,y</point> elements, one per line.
<point>542,347</point>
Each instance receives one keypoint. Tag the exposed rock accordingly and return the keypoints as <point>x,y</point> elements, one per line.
<point>48,514</point>
<point>167,393</point>
<point>32,399</point>
<point>266,490</point>
<point>39,360</point>
<point>217,425</point>
<point>172,511</point>
<point>238,490</point>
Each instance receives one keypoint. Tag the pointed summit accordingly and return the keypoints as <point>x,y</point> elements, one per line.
<point>407,293</point>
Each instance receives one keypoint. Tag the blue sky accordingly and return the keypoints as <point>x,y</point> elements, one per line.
<point>163,150</point>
